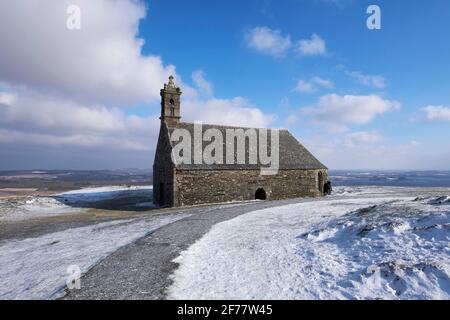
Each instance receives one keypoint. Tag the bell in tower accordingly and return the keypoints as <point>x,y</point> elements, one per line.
<point>170,103</point>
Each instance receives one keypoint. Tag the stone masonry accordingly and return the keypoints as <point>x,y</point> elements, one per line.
<point>300,174</point>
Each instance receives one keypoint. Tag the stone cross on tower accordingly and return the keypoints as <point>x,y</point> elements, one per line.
<point>170,103</point>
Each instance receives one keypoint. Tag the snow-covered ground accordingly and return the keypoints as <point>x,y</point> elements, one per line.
<point>361,243</point>
<point>71,202</point>
<point>37,268</point>
<point>102,193</point>
<point>377,245</point>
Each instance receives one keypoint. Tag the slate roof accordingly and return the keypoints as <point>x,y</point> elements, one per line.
<point>292,154</point>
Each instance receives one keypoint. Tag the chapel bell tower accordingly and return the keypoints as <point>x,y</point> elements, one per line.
<point>170,103</point>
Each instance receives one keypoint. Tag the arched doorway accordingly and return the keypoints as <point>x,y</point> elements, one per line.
<point>260,194</point>
<point>321,181</point>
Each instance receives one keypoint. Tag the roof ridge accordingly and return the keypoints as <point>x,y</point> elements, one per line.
<point>225,126</point>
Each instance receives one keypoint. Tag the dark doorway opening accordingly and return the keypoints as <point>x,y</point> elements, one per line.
<point>260,194</point>
<point>162,200</point>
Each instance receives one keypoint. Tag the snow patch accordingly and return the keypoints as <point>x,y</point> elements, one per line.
<point>36,268</point>
<point>70,202</point>
<point>360,248</point>
<point>440,200</point>
<point>103,193</point>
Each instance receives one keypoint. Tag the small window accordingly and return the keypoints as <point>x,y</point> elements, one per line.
<point>172,102</point>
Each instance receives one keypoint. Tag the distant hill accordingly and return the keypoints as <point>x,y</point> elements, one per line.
<point>61,180</point>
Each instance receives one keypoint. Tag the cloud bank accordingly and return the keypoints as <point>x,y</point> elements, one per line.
<point>100,63</point>
<point>67,96</point>
<point>437,113</point>
<point>349,109</point>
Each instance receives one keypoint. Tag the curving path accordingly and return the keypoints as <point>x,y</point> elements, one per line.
<point>142,269</point>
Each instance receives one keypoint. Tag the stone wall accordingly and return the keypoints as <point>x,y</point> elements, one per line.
<point>176,187</point>
<point>193,187</point>
<point>163,170</point>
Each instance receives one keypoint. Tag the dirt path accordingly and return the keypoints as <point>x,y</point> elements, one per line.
<point>141,270</point>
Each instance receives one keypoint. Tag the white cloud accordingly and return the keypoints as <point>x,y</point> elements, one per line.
<point>369,151</point>
<point>63,93</point>
<point>237,112</point>
<point>305,87</point>
<point>436,113</point>
<point>101,63</point>
<point>313,85</point>
<point>376,156</point>
<point>376,81</point>
<point>311,47</point>
<point>349,109</point>
<point>204,86</point>
<point>31,117</point>
<point>267,41</point>
<point>323,82</point>
<point>76,140</point>
<point>45,120</point>
<point>362,137</point>
<point>291,119</point>
<point>7,98</point>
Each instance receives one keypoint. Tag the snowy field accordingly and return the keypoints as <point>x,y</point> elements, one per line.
<point>72,202</point>
<point>363,243</point>
<point>37,268</point>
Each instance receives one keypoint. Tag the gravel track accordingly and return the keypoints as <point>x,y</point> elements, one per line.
<point>142,269</point>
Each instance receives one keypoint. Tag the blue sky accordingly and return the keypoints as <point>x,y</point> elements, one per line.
<point>357,98</point>
<point>410,52</point>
